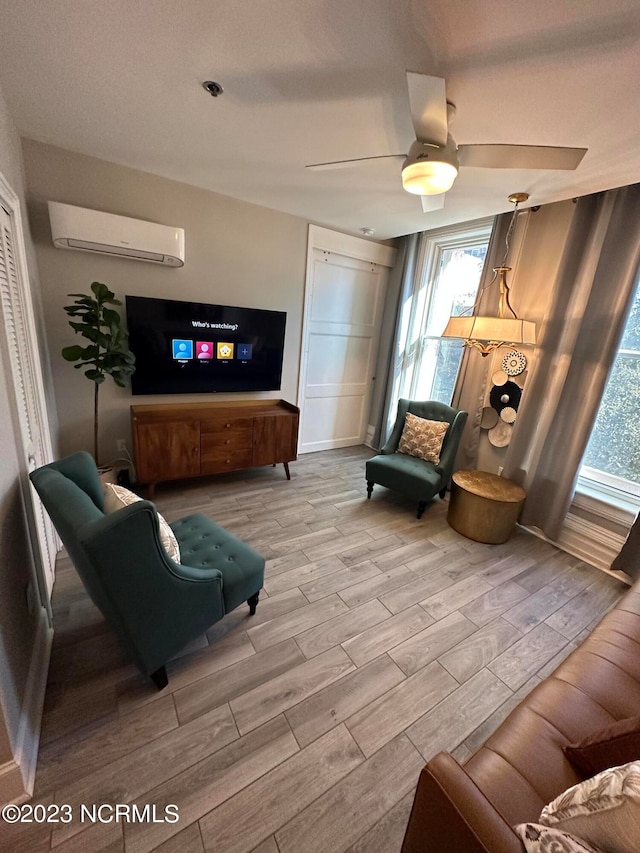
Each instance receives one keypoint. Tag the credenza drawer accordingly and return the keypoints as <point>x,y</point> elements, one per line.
<point>231,461</point>
<point>222,426</point>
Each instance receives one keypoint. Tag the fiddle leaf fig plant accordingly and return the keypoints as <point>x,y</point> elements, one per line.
<point>107,352</point>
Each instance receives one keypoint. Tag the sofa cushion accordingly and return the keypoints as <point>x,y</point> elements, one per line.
<point>422,438</point>
<point>116,497</point>
<point>537,838</point>
<point>204,544</point>
<point>603,810</point>
<point>616,744</point>
<point>403,473</point>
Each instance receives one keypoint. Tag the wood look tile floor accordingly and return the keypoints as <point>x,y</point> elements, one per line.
<point>378,641</point>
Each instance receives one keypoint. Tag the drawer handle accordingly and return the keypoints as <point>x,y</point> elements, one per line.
<point>228,441</point>
<point>228,425</point>
<point>228,461</point>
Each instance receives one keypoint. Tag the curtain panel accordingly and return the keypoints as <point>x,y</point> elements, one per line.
<point>389,364</point>
<point>473,375</point>
<point>580,336</point>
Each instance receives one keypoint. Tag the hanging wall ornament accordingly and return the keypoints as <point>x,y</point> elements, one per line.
<point>505,395</point>
<point>508,414</point>
<point>489,418</point>
<point>500,435</point>
<point>499,377</point>
<point>514,363</point>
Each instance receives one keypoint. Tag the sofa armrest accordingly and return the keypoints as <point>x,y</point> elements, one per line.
<point>451,813</point>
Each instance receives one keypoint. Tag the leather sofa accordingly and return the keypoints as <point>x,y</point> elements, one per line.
<point>521,767</point>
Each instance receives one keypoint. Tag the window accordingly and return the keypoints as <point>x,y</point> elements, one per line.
<point>447,278</point>
<point>611,464</point>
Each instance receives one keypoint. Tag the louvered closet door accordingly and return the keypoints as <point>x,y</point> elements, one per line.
<point>28,388</point>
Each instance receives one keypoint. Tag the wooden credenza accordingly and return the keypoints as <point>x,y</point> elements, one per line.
<point>180,440</point>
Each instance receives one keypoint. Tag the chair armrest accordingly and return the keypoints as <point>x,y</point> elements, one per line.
<point>451,813</point>
<point>451,444</point>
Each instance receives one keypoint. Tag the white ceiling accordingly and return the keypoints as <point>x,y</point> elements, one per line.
<point>308,81</point>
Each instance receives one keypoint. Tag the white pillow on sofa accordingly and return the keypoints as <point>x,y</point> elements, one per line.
<point>603,810</point>
<point>117,497</point>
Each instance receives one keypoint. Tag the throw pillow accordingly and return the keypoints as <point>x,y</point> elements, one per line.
<point>542,839</point>
<point>422,438</point>
<point>616,744</point>
<point>117,497</point>
<point>603,810</point>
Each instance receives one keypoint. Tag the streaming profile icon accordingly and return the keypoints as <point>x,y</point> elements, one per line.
<point>182,349</point>
<point>225,350</point>
<point>244,351</point>
<point>204,349</point>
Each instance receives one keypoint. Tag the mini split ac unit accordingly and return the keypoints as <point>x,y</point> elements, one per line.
<point>107,234</point>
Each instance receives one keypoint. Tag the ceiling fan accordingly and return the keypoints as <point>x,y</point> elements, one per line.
<point>432,163</point>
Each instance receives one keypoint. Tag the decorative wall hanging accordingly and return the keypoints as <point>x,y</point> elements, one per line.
<point>489,418</point>
<point>505,395</point>
<point>500,435</point>
<point>508,414</point>
<point>514,363</point>
<point>499,377</point>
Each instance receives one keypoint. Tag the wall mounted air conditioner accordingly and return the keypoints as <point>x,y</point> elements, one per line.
<point>107,234</point>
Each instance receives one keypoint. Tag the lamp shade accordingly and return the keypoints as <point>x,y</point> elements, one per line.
<point>503,329</point>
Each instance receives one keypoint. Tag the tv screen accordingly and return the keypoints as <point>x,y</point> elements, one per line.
<point>191,347</point>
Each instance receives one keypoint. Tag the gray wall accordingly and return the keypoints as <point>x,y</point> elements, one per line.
<point>17,626</point>
<point>236,253</point>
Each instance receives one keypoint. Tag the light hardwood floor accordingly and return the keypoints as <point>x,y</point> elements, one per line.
<point>378,641</point>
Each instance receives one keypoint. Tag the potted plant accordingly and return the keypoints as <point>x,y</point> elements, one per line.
<point>107,352</point>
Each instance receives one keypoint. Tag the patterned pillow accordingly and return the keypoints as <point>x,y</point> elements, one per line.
<point>542,839</point>
<point>117,497</point>
<point>603,810</point>
<point>422,438</point>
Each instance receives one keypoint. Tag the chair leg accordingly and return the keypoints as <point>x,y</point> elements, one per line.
<point>422,505</point>
<point>253,603</point>
<point>160,678</point>
<point>443,492</point>
<point>369,489</point>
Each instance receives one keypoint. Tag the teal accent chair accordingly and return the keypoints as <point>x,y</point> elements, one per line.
<point>414,477</point>
<point>154,605</point>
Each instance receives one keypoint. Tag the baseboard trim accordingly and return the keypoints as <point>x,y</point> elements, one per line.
<point>11,784</point>
<point>28,740</point>
<point>593,544</point>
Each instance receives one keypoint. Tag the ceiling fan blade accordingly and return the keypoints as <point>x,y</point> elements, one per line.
<point>432,202</point>
<point>520,156</point>
<point>428,101</point>
<point>346,164</point>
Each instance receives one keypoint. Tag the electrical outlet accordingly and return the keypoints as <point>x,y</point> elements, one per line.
<point>121,445</point>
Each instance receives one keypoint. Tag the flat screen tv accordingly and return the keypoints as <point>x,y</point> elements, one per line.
<point>192,348</point>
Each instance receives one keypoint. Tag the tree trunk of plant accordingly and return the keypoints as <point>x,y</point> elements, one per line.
<point>95,422</point>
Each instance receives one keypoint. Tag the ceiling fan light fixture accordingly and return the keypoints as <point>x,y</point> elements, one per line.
<point>430,169</point>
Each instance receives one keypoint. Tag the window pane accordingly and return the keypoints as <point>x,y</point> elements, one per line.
<point>614,446</point>
<point>456,286</point>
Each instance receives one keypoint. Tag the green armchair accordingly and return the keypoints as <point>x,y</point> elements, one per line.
<point>414,477</point>
<point>154,605</point>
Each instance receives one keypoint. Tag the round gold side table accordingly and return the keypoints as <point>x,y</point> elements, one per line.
<point>483,506</point>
